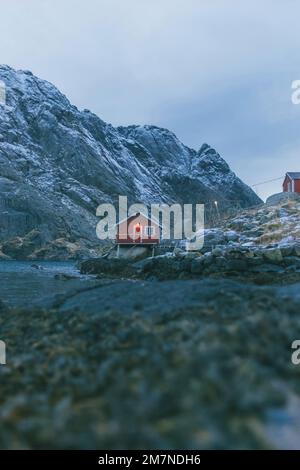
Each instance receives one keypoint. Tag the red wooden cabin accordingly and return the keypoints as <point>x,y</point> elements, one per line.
<point>138,229</point>
<point>291,183</point>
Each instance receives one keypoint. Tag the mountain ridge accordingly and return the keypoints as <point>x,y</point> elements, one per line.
<point>57,164</point>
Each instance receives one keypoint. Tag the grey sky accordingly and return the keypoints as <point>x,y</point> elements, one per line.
<point>215,71</point>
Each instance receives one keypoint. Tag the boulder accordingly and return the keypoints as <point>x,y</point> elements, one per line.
<point>197,266</point>
<point>4,257</point>
<point>162,267</point>
<point>273,255</point>
<point>107,267</point>
<point>286,250</point>
<point>61,249</point>
<point>22,247</point>
<point>292,261</point>
<point>236,265</point>
<point>296,250</point>
<point>231,236</point>
<point>281,198</point>
<point>212,238</point>
<point>217,252</point>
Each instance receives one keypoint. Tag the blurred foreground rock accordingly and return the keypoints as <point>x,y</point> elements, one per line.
<point>168,365</point>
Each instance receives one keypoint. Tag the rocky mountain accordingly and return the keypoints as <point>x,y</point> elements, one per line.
<point>57,164</point>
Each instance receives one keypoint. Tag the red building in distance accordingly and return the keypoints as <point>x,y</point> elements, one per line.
<point>291,183</point>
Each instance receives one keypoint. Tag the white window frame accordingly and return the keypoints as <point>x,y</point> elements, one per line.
<point>149,230</point>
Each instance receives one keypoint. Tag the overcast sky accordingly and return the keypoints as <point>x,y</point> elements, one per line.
<point>215,71</point>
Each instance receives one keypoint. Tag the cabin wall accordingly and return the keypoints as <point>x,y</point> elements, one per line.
<point>297,186</point>
<point>286,184</point>
<point>127,232</point>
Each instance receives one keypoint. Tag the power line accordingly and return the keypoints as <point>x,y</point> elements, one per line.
<point>268,181</point>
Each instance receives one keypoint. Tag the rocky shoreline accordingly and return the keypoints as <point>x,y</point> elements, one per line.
<point>262,246</point>
<point>32,248</point>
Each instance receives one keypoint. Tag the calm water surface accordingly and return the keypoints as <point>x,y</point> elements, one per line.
<point>22,284</point>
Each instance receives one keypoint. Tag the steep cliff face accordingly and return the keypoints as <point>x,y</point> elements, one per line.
<point>184,174</point>
<point>58,163</point>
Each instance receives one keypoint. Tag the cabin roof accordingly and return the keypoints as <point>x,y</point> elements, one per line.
<point>153,219</point>
<point>294,175</point>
